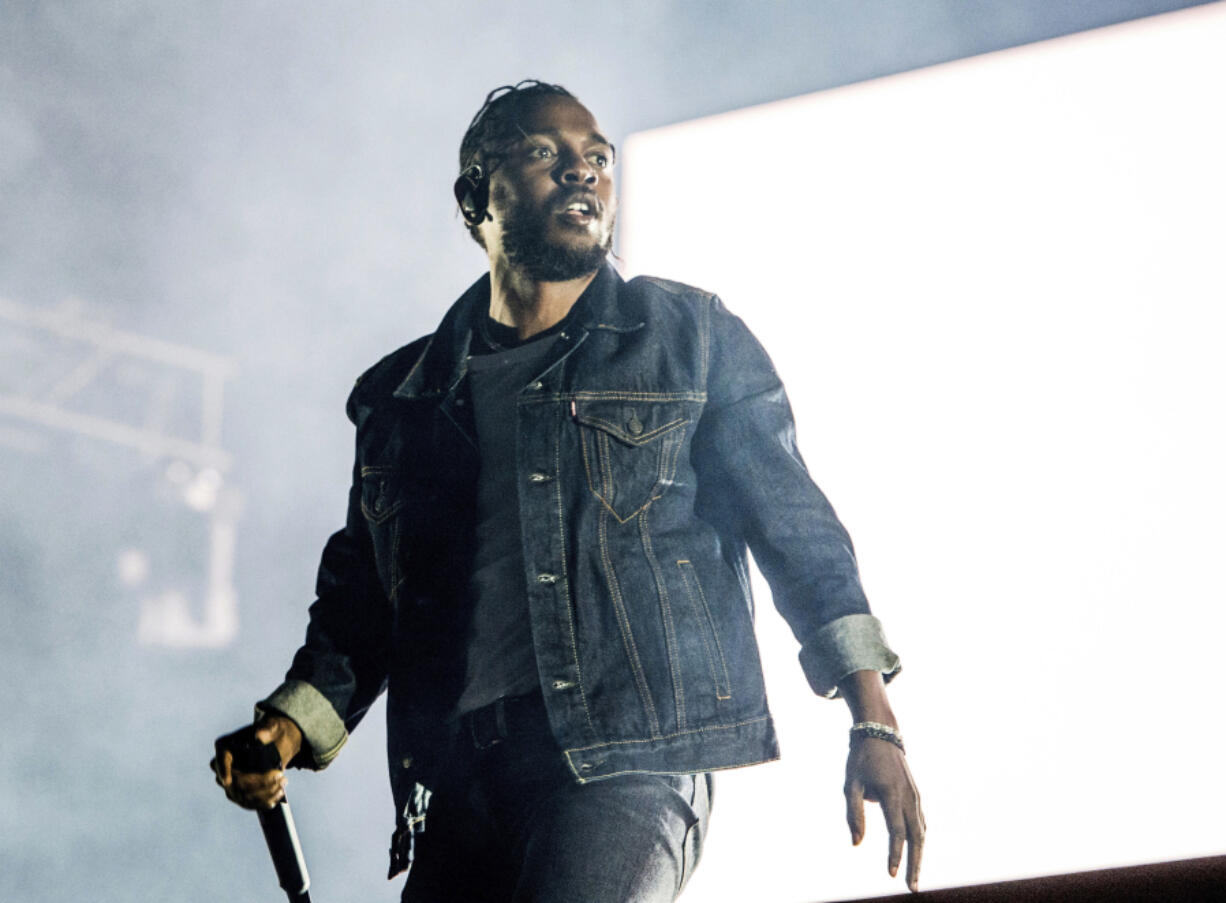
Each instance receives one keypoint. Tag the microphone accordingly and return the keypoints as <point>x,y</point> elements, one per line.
<point>252,756</point>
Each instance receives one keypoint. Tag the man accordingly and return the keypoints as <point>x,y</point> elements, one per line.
<point>545,564</point>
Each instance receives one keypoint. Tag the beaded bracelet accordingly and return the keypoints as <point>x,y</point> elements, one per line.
<point>878,730</point>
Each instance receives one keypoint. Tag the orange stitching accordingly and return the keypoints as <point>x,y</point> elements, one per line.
<point>670,629</point>
<point>394,564</point>
<point>614,774</point>
<point>689,591</point>
<point>623,623</point>
<point>570,620</point>
<point>616,429</point>
<point>685,733</point>
<point>719,647</point>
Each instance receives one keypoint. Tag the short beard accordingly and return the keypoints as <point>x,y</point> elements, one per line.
<point>525,243</point>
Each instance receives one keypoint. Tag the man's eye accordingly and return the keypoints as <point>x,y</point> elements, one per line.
<point>599,160</point>
<point>541,152</point>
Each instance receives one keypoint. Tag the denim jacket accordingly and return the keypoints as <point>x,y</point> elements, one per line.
<point>654,447</point>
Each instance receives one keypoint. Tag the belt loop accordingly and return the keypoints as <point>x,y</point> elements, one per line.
<point>487,726</point>
<point>477,729</point>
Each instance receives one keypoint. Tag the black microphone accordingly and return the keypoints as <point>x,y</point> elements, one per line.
<point>252,756</point>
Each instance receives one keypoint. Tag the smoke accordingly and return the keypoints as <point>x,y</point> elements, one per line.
<point>268,184</point>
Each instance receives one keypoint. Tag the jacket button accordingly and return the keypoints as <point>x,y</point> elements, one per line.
<point>406,762</point>
<point>634,426</point>
<point>563,684</point>
<point>547,579</point>
<point>538,478</point>
<point>536,386</point>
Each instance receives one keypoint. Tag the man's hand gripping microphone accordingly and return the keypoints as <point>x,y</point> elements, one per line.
<point>254,757</point>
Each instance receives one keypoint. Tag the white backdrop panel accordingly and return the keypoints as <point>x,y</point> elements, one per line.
<point>994,289</point>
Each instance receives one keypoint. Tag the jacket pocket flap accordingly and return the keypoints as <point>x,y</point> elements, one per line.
<point>631,422</point>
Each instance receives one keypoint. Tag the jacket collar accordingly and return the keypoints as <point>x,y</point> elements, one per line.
<point>445,361</point>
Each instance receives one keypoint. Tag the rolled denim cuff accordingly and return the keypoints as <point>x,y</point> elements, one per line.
<point>323,732</point>
<point>847,644</point>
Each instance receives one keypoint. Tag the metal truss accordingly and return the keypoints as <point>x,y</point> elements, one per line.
<point>62,373</point>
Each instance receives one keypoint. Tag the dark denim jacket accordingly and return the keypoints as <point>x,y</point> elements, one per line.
<point>654,448</point>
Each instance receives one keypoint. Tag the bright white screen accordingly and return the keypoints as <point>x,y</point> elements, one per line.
<point>994,289</point>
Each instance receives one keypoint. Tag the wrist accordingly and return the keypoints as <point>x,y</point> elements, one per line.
<point>864,692</point>
<point>875,730</point>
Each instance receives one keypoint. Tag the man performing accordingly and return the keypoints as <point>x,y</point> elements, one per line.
<point>545,560</point>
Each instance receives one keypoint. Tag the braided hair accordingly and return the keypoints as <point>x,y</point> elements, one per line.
<point>495,127</point>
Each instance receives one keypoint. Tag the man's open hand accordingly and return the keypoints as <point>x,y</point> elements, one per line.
<point>877,771</point>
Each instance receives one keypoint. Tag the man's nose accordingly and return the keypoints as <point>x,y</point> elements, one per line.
<point>575,170</point>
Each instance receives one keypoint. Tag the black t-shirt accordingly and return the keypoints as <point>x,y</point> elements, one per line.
<point>501,660</point>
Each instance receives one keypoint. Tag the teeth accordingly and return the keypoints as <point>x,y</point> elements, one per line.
<point>579,206</point>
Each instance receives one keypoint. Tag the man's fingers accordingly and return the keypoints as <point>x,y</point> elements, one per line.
<point>257,791</point>
<point>915,843</point>
<point>898,833</point>
<point>915,850</point>
<point>222,768</point>
<point>877,772</point>
<point>251,790</point>
<point>279,789</point>
<point>854,792</point>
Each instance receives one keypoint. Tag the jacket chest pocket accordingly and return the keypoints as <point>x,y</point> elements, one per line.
<point>381,500</point>
<point>380,496</point>
<point>630,450</point>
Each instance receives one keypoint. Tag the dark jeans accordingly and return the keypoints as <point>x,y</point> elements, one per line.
<point>508,822</point>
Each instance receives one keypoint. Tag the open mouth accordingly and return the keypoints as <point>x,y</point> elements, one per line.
<point>578,210</point>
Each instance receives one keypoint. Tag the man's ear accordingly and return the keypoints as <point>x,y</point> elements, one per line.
<point>472,193</point>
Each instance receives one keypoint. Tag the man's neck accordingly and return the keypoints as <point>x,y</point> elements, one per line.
<point>530,306</point>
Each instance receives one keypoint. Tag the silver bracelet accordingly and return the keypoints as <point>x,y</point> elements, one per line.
<point>878,730</point>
